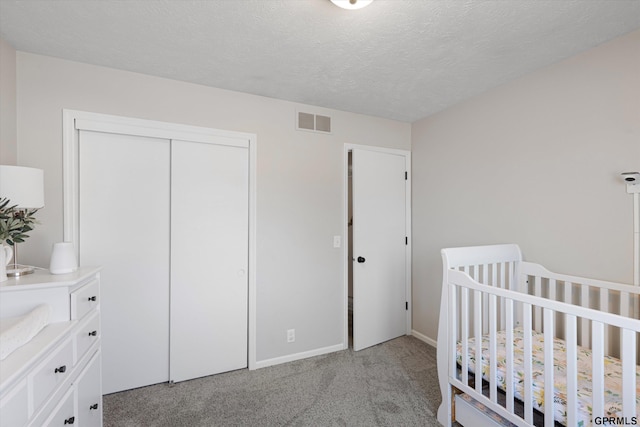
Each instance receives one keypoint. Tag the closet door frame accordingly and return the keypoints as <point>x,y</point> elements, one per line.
<point>73,120</point>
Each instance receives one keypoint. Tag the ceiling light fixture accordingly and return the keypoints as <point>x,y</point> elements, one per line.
<point>351,4</point>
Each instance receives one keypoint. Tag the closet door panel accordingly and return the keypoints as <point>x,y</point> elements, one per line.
<point>124,204</point>
<point>209,258</point>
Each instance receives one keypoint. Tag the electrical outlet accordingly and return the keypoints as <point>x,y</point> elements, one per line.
<point>337,241</point>
<point>291,335</point>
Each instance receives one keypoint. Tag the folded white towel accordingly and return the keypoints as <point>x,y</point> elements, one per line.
<point>17,331</point>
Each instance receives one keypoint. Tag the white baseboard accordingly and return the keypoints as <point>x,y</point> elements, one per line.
<point>424,338</point>
<point>298,356</point>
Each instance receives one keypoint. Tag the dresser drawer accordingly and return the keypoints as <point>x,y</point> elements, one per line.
<point>47,376</point>
<point>89,391</point>
<point>63,414</point>
<point>87,334</point>
<point>85,299</point>
<point>13,406</point>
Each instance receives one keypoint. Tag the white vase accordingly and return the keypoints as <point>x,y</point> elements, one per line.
<point>63,258</point>
<point>6,252</point>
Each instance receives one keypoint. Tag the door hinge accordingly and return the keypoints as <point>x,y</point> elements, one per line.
<point>406,176</point>
<point>406,305</point>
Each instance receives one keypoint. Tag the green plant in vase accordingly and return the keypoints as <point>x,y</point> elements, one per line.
<point>15,223</point>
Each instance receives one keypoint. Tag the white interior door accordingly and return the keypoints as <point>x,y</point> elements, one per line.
<point>379,247</point>
<point>209,259</point>
<point>124,227</point>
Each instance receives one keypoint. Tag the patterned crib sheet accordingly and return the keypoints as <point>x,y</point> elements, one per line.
<point>612,366</point>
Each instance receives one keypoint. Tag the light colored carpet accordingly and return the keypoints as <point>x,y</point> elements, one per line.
<point>391,384</point>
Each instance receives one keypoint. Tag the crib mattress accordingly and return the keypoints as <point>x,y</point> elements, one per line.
<point>612,366</point>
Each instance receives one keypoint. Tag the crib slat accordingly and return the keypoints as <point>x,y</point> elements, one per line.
<point>528,392</point>
<point>604,306</point>
<point>513,282</point>
<point>495,277</point>
<point>493,353</point>
<point>624,304</point>
<point>572,371</point>
<point>553,296</point>
<point>548,362</point>
<point>537,285</point>
<point>477,324</point>
<point>485,301</point>
<point>568,292</point>
<point>628,373</point>
<point>584,323</point>
<point>585,300</point>
<point>635,301</point>
<point>537,291</point>
<point>568,298</point>
<point>453,316</point>
<point>604,300</point>
<point>503,285</point>
<point>597,358</point>
<point>464,334</point>
<point>485,274</point>
<point>552,289</point>
<point>509,349</point>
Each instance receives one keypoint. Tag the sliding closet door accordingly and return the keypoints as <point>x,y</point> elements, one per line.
<point>209,259</point>
<point>124,227</point>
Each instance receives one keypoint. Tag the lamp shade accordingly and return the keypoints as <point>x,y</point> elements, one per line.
<point>23,186</point>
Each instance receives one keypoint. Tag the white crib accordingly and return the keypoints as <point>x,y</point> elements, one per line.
<point>554,348</point>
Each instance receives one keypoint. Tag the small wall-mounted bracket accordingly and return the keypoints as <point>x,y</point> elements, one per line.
<point>632,179</point>
<point>633,188</point>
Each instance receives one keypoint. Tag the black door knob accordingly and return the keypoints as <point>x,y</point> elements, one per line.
<point>361,259</point>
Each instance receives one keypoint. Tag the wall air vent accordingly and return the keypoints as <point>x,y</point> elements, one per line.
<point>313,122</point>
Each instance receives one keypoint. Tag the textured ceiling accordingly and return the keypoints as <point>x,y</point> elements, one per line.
<point>399,59</point>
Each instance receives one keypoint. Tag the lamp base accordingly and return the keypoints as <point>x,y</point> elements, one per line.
<point>20,270</point>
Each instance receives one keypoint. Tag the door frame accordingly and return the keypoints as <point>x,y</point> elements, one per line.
<point>345,232</point>
<point>156,129</point>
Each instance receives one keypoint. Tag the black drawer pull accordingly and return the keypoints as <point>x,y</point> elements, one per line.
<point>61,369</point>
<point>70,420</point>
<point>94,406</point>
<point>93,333</point>
<point>92,298</point>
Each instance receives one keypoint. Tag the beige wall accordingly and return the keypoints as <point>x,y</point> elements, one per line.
<point>8,137</point>
<point>534,162</point>
<point>300,180</point>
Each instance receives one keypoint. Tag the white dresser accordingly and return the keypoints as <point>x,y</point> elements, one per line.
<point>54,379</point>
